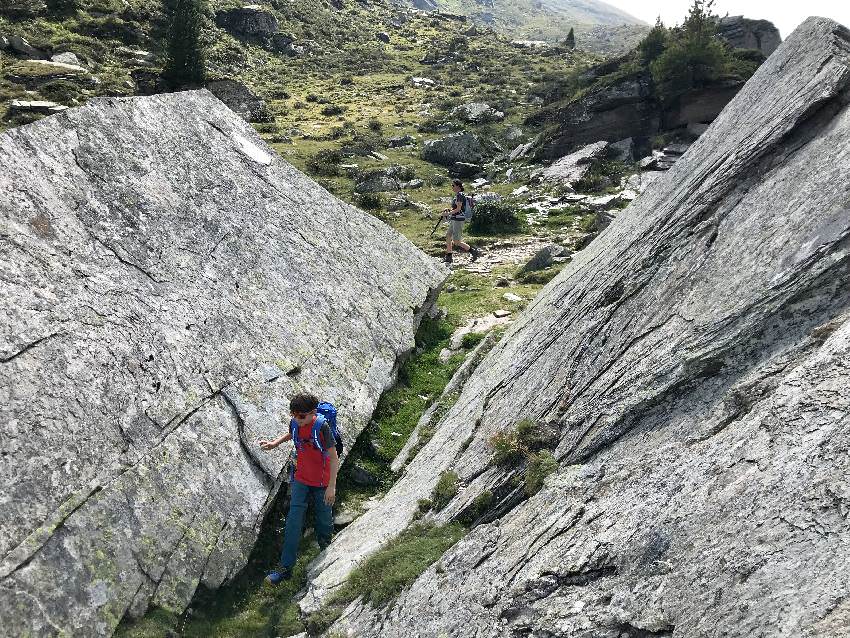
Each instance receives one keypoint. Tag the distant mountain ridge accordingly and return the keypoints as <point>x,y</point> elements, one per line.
<point>606,29</point>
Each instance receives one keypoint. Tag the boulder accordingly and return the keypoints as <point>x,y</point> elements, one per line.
<point>241,100</point>
<point>743,33</point>
<point>477,113</point>
<point>250,22</point>
<point>137,57</point>
<point>569,170</point>
<point>35,73</point>
<point>378,183</point>
<point>465,169</point>
<point>694,362</point>
<point>23,48</point>
<point>67,58</point>
<point>459,147</point>
<point>623,150</point>
<point>383,37</point>
<point>39,107</point>
<point>544,258</point>
<point>624,109</point>
<point>163,277</point>
<point>399,142</point>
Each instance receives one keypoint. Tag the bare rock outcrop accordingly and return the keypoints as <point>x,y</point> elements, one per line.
<point>166,289</point>
<point>743,33</point>
<point>694,360</point>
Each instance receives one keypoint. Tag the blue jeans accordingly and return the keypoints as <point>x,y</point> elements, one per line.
<point>299,495</point>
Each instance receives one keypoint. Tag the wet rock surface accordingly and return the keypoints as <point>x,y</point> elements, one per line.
<point>161,305</point>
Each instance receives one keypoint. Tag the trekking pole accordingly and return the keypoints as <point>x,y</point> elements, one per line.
<point>439,221</point>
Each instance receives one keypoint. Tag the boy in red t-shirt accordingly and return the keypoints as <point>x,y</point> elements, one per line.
<point>315,478</point>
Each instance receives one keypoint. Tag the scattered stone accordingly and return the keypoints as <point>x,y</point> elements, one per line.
<point>501,314</point>
<point>359,475</point>
<point>400,142</point>
<point>514,298</point>
<point>453,149</point>
<point>35,73</point>
<point>250,22</point>
<point>465,169</point>
<point>572,168</point>
<point>37,107</point>
<point>383,37</point>
<point>477,113</point>
<point>481,182</point>
<point>545,258</point>
<point>520,151</point>
<point>520,191</point>
<point>378,183</point>
<point>529,44</point>
<point>413,184</point>
<point>379,156</point>
<point>138,57</point>
<point>423,83</point>
<point>398,203</point>
<point>502,282</point>
<point>602,201</point>
<point>4,42</point>
<point>624,150</point>
<point>513,133</point>
<point>239,99</point>
<point>20,46</point>
<point>67,58</point>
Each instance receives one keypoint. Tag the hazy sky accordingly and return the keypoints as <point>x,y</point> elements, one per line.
<point>784,14</point>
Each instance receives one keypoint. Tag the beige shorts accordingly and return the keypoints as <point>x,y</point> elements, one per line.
<point>456,229</point>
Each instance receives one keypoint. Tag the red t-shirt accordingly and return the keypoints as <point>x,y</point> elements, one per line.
<point>313,468</point>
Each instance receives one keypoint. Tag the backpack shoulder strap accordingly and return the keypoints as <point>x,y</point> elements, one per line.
<point>316,432</point>
<point>293,431</point>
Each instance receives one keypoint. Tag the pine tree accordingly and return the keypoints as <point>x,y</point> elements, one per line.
<point>570,42</point>
<point>653,45</point>
<point>184,64</point>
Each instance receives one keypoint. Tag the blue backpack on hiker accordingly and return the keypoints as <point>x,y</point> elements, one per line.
<point>325,413</point>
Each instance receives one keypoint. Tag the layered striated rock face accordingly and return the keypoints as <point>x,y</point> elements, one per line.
<point>743,33</point>
<point>168,284</point>
<point>694,361</point>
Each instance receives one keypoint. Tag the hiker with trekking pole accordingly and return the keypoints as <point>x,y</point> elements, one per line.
<point>460,212</point>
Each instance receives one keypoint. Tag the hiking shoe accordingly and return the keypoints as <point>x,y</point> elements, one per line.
<point>448,258</point>
<point>474,252</point>
<point>278,575</point>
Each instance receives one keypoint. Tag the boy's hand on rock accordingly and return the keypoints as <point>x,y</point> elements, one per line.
<point>330,495</point>
<point>267,445</point>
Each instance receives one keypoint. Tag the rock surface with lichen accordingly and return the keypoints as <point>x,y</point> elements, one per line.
<point>166,288</point>
<point>695,361</point>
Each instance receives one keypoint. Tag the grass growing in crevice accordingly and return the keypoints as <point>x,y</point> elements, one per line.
<point>245,608</point>
<point>385,574</point>
<point>421,380</point>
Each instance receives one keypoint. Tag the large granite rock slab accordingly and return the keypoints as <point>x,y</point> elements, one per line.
<point>694,360</point>
<point>166,290</point>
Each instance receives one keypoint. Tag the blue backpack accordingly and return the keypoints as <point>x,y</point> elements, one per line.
<point>325,413</point>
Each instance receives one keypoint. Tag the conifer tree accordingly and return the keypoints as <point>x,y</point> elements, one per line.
<point>185,56</point>
<point>570,42</point>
